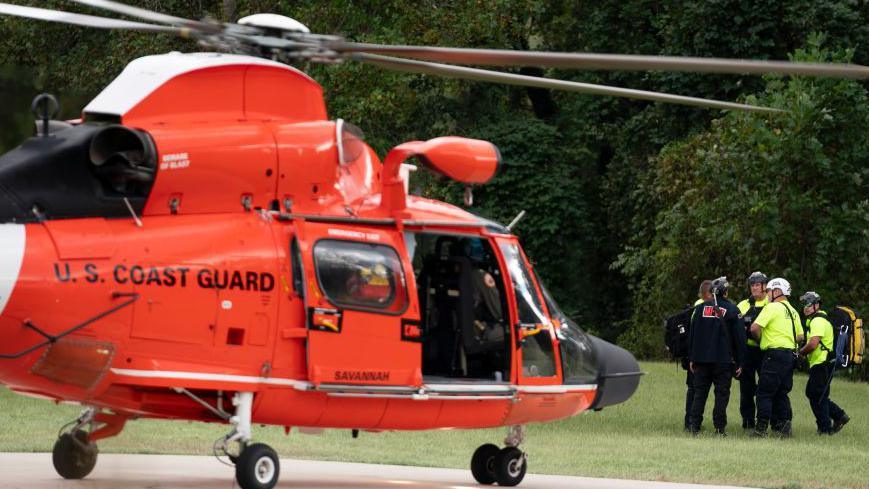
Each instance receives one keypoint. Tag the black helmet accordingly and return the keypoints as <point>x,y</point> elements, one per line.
<point>719,286</point>
<point>810,298</point>
<point>757,278</point>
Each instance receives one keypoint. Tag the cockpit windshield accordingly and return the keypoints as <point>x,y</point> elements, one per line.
<point>527,301</point>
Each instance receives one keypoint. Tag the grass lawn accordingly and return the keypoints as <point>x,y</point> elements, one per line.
<point>641,439</point>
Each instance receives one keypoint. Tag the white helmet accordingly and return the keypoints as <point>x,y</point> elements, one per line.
<point>779,283</point>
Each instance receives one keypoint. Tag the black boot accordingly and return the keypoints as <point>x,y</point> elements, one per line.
<point>760,429</point>
<point>784,430</point>
<point>839,423</point>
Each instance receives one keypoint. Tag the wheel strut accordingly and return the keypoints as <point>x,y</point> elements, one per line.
<point>256,465</point>
<point>515,436</point>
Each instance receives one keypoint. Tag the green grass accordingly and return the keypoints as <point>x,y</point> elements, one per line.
<point>641,439</point>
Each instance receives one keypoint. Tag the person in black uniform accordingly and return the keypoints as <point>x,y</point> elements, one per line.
<point>702,296</point>
<point>716,347</point>
<point>749,309</point>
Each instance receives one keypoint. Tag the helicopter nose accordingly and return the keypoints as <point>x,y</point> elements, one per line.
<point>618,374</point>
<point>9,208</point>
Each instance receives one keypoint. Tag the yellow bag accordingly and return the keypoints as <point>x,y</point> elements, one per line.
<point>854,349</point>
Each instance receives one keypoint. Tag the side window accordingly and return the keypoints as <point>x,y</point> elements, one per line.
<point>298,277</point>
<point>538,359</point>
<point>360,275</point>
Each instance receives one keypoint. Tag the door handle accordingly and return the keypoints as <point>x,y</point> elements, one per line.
<point>526,330</point>
<point>328,320</point>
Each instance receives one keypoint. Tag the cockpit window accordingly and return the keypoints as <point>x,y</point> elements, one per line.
<point>578,363</point>
<point>538,357</point>
<point>527,301</point>
<point>360,275</point>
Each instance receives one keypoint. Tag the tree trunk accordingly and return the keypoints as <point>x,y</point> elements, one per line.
<point>229,7</point>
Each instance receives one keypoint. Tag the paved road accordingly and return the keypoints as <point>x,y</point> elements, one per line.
<point>34,471</point>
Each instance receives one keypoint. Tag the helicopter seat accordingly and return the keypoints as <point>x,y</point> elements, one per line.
<point>440,286</point>
<point>481,317</point>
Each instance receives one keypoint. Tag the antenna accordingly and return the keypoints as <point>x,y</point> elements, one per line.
<point>515,220</point>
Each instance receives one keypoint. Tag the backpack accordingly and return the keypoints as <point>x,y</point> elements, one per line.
<point>676,333</point>
<point>750,315</point>
<point>848,337</point>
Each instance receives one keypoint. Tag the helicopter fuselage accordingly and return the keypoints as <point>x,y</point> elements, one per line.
<point>205,231</point>
<point>216,310</point>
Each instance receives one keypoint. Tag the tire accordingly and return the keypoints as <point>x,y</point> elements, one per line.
<point>483,463</point>
<point>510,466</point>
<point>74,455</point>
<point>257,467</point>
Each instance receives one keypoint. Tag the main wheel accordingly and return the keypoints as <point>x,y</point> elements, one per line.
<point>483,463</point>
<point>510,466</point>
<point>257,467</point>
<point>74,455</point>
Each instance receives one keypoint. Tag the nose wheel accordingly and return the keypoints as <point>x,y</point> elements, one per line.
<point>483,463</point>
<point>510,465</point>
<point>506,466</point>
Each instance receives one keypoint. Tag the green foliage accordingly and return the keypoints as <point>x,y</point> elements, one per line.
<point>546,176</point>
<point>785,194</point>
<point>67,58</point>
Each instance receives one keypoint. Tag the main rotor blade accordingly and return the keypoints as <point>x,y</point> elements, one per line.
<point>150,15</point>
<point>593,61</point>
<point>85,20</point>
<point>413,66</point>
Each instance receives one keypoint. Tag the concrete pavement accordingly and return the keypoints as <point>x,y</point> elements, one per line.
<point>113,471</point>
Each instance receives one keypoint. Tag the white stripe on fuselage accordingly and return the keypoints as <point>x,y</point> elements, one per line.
<point>12,238</point>
<point>471,389</point>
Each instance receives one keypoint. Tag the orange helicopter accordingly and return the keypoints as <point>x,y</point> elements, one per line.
<point>205,244</point>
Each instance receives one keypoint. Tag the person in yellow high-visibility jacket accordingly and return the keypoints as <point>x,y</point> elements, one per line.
<point>779,329</point>
<point>829,417</point>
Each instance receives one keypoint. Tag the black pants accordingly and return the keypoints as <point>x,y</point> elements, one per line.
<point>706,374</point>
<point>689,398</point>
<point>775,383</point>
<point>818,392</point>
<point>748,384</point>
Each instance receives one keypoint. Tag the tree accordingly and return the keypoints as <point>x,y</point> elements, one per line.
<point>785,194</point>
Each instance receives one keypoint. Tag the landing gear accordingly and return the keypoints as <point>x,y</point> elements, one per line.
<point>74,455</point>
<point>506,466</point>
<point>256,466</point>
<point>510,466</point>
<point>483,463</point>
